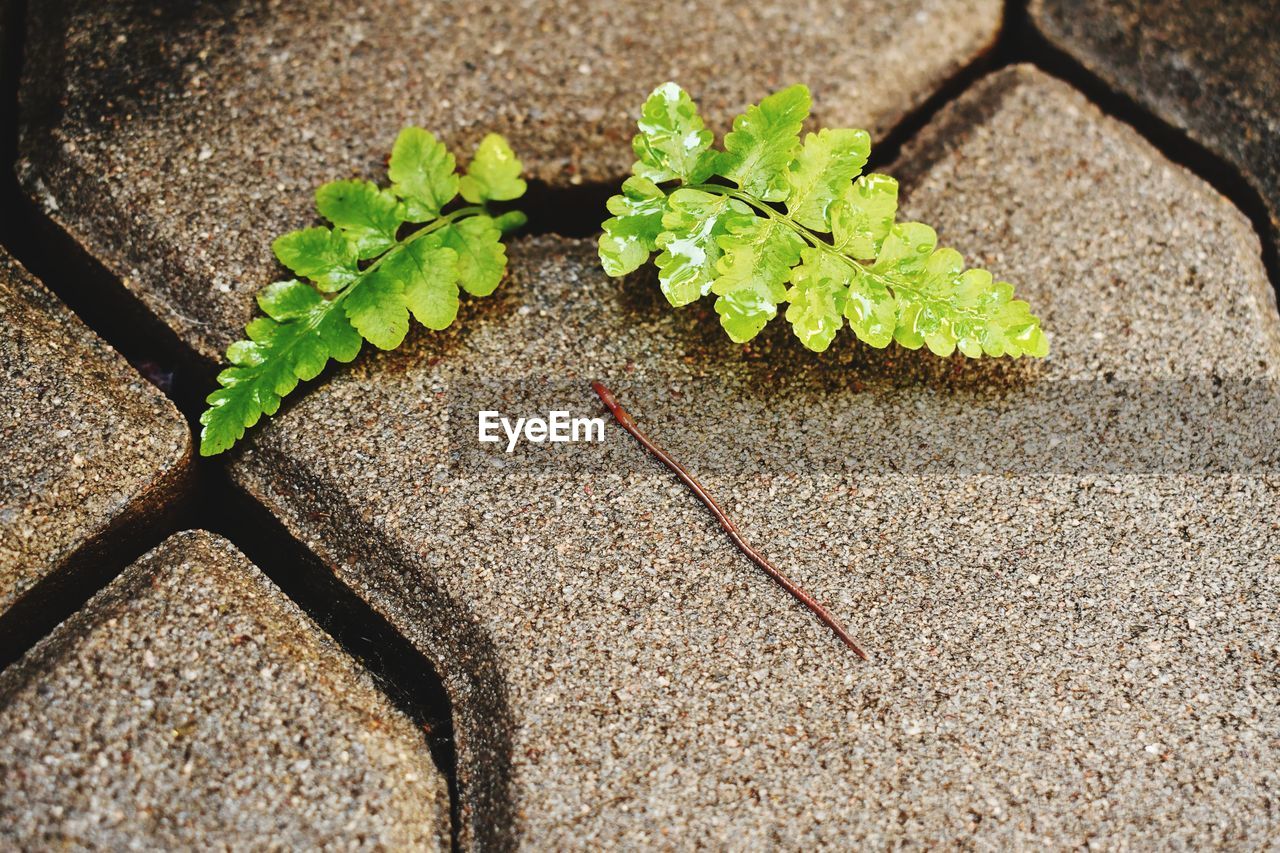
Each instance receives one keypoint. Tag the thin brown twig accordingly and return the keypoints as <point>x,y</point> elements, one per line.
<point>625,420</point>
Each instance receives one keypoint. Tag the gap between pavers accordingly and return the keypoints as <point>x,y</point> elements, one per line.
<point>177,150</point>
<point>92,455</point>
<point>1206,69</point>
<point>1060,651</point>
<point>191,704</point>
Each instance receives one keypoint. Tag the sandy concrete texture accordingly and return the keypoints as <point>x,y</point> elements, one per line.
<point>1062,654</point>
<point>192,705</point>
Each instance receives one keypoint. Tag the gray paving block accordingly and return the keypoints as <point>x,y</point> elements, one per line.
<point>176,143</point>
<point>87,446</point>
<point>1061,652</point>
<point>192,705</point>
<point>1205,68</point>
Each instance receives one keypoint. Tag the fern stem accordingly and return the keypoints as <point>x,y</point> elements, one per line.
<point>624,419</point>
<point>809,236</point>
<point>433,225</point>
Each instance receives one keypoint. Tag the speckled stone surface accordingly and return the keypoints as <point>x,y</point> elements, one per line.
<point>86,444</point>
<point>192,705</point>
<point>175,143</point>
<point>1059,657</point>
<point>1207,68</point>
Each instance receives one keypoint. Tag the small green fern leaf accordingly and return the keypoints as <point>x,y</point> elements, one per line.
<point>757,261</point>
<point>631,235</point>
<point>764,140</point>
<point>361,281</point>
<point>796,223</point>
<point>673,142</point>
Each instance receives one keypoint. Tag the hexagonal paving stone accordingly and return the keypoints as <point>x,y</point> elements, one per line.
<point>176,143</point>
<point>1207,68</point>
<point>192,705</point>
<point>89,447</point>
<point>1061,650</point>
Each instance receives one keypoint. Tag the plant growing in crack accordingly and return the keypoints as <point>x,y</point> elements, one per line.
<point>390,253</point>
<point>772,219</point>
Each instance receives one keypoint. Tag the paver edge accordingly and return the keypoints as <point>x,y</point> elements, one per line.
<point>464,656</point>
<point>142,509</point>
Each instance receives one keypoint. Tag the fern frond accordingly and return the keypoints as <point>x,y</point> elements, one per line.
<point>796,223</point>
<point>360,281</point>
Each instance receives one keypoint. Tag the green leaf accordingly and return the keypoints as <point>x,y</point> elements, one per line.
<point>428,269</point>
<point>631,234</point>
<point>512,220</point>
<point>821,174</point>
<point>690,243</point>
<point>494,173</point>
<point>482,258</point>
<point>890,281</point>
<point>817,297</point>
<point>288,300</point>
<point>906,250</point>
<point>337,336</point>
<point>901,262</point>
<point>294,344</point>
<point>377,309</point>
<point>992,322</point>
<point>673,143</point>
<point>346,302</point>
<point>322,255</point>
<point>419,277</point>
<point>368,216</point>
<point>945,307</point>
<point>763,142</point>
<point>422,174</point>
<point>871,309</point>
<point>863,217</point>
<point>755,267</point>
